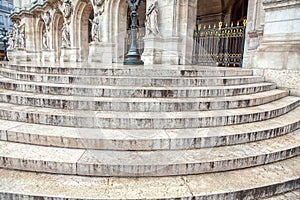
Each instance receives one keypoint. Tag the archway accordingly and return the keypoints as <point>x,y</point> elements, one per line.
<point>141,28</point>
<point>119,25</point>
<point>219,35</point>
<point>83,14</point>
<point>41,28</point>
<point>58,22</point>
<point>209,12</point>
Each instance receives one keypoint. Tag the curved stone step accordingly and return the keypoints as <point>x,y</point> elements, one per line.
<point>121,70</point>
<point>135,139</point>
<point>147,163</point>
<point>138,104</point>
<point>137,91</point>
<point>129,80</point>
<point>291,195</point>
<point>146,120</point>
<point>255,183</point>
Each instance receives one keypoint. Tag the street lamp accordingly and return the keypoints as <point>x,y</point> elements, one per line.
<point>133,56</point>
<point>4,40</point>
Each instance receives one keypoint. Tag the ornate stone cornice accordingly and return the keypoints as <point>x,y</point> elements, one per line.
<point>277,4</point>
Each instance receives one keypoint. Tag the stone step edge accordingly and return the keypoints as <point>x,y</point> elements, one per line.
<point>290,195</point>
<point>147,140</point>
<point>21,73</point>
<point>4,80</point>
<point>239,184</point>
<point>133,80</point>
<point>146,120</point>
<point>142,164</point>
<point>179,71</point>
<point>130,91</point>
<point>139,104</point>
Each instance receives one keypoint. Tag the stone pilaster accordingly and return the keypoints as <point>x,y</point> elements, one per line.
<point>278,55</point>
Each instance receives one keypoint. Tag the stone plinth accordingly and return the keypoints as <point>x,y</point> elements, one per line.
<point>69,54</point>
<point>48,55</point>
<point>100,52</point>
<point>152,51</point>
<point>17,55</point>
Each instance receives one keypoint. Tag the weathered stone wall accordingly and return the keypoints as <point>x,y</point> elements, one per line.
<point>272,47</point>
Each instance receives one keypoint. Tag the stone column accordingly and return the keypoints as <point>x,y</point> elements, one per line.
<point>278,55</point>
<point>187,25</point>
<point>254,31</point>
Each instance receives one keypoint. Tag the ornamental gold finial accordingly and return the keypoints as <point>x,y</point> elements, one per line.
<point>199,27</point>
<point>220,25</point>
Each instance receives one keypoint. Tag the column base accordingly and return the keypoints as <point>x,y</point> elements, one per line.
<point>152,52</point>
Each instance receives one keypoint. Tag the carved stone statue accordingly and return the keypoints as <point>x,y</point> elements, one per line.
<point>66,41</point>
<point>68,9</point>
<point>21,39</point>
<point>47,19</point>
<point>15,36</point>
<point>45,39</point>
<point>96,31</point>
<point>151,23</point>
<point>10,41</point>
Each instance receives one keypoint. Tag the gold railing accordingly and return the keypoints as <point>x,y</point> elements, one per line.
<point>220,45</point>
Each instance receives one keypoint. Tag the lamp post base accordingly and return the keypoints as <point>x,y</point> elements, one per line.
<point>133,61</point>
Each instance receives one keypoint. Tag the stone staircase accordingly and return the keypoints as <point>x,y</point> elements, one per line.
<point>84,131</point>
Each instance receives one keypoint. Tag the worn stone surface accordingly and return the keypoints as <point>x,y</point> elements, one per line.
<point>147,163</point>
<point>56,124</point>
<point>254,182</point>
<point>118,139</point>
<point>138,104</point>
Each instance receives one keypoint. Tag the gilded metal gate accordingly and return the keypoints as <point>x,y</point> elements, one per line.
<point>220,46</point>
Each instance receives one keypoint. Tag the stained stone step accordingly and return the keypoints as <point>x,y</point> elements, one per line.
<point>130,81</point>
<point>134,91</point>
<point>139,104</point>
<point>147,163</point>
<point>146,120</point>
<point>135,139</point>
<point>119,70</point>
<point>292,195</point>
<point>255,183</point>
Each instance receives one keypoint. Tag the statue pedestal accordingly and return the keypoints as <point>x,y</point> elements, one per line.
<point>48,55</point>
<point>69,54</point>
<point>101,52</point>
<point>152,50</point>
<point>18,55</point>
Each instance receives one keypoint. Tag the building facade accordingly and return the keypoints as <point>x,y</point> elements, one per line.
<point>97,31</point>
<point>5,10</point>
